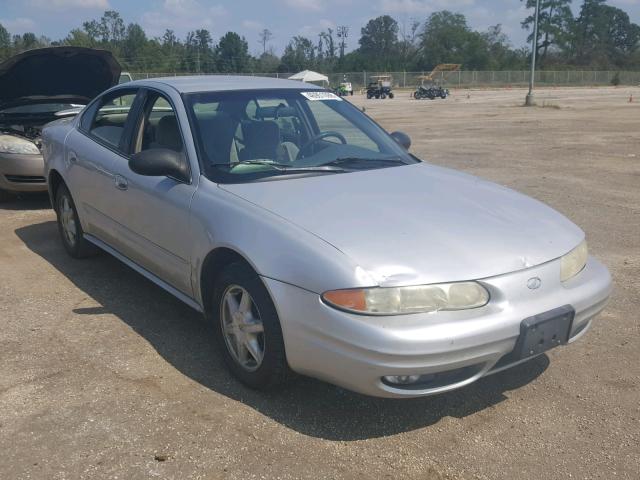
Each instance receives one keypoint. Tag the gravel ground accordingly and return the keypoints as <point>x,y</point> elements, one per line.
<point>103,375</point>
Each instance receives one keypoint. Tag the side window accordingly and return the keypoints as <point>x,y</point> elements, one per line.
<point>330,120</point>
<point>159,127</point>
<point>110,119</point>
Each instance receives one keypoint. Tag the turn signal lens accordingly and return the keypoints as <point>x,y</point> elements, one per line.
<point>573,262</point>
<point>413,299</point>
<point>348,299</point>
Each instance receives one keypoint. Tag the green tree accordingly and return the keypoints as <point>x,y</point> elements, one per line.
<point>94,30</point>
<point>79,38</point>
<point>299,54</point>
<point>501,55</point>
<point>232,53</point>
<point>555,24</point>
<point>379,43</point>
<point>446,38</point>
<point>110,28</point>
<point>134,46</point>
<point>28,41</point>
<point>113,27</point>
<point>407,46</point>
<point>169,38</point>
<point>199,55</point>
<point>5,43</point>
<point>267,62</point>
<point>604,35</point>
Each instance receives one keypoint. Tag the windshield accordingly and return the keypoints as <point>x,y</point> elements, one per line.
<point>248,135</point>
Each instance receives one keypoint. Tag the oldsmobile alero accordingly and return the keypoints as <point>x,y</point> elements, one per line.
<point>313,240</point>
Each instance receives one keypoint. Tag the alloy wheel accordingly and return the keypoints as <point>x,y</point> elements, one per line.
<point>242,327</point>
<point>67,217</point>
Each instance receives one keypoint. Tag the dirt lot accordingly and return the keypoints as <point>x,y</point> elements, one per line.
<point>103,375</point>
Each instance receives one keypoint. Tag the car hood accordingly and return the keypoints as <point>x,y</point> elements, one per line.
<point>56,74</point>
<point>420,223</point>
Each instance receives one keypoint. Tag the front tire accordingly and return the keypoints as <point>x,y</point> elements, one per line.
<point>248,329</point>
<point>69,226</point>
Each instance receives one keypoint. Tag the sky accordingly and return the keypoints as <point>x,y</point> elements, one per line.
<point>285,18</point>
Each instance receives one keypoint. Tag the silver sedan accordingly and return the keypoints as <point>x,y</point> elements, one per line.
<point>313,241</point>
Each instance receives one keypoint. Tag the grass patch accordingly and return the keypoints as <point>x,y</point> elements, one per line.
<point>555,106</point>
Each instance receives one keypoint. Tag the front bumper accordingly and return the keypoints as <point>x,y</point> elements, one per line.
<point>22,173</point>
<point>456,348</point>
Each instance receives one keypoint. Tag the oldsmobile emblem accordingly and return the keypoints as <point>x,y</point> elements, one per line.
<point>534,283</point>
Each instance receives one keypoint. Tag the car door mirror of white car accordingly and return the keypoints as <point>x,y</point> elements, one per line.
<point>160,162</point>
<point>402,139</point>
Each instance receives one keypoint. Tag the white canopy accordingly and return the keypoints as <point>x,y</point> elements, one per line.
<point>309,76</point>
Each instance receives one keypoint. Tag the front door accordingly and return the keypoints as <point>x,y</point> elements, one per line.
<point>154,211</point>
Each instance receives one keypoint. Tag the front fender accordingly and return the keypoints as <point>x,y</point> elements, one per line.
<point>273,246</point>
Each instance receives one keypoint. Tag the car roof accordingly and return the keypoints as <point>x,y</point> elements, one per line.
<point>221,83</point>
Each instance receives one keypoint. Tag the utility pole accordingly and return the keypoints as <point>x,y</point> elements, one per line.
<point>265,35</point>
<point>530,100</point>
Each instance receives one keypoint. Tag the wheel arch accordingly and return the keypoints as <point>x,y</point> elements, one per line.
<point>54,181</point>
<point>215,261</point>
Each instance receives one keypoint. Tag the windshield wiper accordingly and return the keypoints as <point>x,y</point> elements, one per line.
<point>367,162</point>
<point>283,167</point>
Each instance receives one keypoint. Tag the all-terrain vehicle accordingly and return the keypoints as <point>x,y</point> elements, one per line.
<point>431,92</point>
<point>431,85</point>
<point>379,87</point>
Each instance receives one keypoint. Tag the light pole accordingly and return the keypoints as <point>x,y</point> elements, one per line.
<point>530,100</point>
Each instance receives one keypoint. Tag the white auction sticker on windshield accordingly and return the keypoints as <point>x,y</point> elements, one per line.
<point>321,96</point>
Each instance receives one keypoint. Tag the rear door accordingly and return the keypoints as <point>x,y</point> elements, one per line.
<point>153,212</point>
<point>92,149</point>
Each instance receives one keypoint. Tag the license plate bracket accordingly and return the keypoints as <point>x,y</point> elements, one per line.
<point>544,331</point>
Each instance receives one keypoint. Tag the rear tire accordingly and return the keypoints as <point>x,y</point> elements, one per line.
<point>69,226</point>
<point>248,329</point>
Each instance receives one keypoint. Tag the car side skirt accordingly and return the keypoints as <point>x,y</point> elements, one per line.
<point>144,272</point>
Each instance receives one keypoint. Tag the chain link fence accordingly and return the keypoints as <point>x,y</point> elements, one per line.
<point>463,79</point>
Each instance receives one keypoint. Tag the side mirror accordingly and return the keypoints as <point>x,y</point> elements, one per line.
<point>160,162</point>
<point>402,139</point>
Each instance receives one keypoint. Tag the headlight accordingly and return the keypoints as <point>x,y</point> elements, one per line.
<point>12,144</point>
<point>573,262</point>
<point>403,300</point>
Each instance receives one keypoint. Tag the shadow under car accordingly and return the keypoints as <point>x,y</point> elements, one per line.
<point>182,338</point>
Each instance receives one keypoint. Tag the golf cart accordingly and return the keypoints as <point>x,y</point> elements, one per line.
<point>431,85</point>
<point>379,87</point>
<point>345,88</point>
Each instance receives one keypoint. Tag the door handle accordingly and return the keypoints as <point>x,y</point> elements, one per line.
<point>121,182</point>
